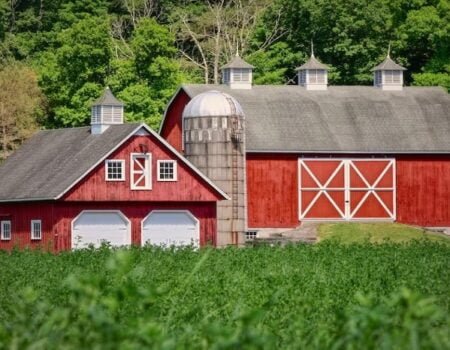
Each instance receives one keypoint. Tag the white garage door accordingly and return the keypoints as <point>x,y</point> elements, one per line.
<point>170,228</point>
<point>95,227</point>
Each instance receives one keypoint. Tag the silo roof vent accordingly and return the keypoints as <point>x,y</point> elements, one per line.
<point>211,104</point>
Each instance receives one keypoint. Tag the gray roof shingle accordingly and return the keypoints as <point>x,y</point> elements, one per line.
<point>312,63</point>
<point>52,160</point>
<point>237,62</point>
<point>107,99</point>
<point>388,64</point>
<point>343,119</point>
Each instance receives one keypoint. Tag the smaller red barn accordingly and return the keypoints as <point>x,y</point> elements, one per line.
<point>114,182</point>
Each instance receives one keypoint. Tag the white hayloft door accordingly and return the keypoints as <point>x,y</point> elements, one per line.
<point>96,227</point>
<point>170,228</point>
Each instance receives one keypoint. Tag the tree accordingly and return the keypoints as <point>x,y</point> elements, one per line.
<point>210,33</point>
<point>21,106</point>
<point>74,74</point>
<point>147,80</point>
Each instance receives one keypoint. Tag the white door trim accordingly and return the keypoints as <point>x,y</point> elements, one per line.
<point>322,189</point>
<point>145,172</point>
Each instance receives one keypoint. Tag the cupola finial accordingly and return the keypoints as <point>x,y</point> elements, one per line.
<point>389,50</point>
<point>312,48</point>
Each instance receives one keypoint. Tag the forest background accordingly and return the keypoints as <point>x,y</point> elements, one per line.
<point>56,56</point>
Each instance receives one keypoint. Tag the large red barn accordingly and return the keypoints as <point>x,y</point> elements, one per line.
<point>317,152</point>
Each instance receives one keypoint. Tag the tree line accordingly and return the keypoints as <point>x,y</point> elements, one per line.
<point>62,53</point>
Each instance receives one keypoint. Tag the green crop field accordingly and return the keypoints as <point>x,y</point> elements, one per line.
<point>323,296</point>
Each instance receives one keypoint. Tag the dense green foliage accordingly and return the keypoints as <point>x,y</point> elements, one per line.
<point>143,49</point>
<point>377,233</point>
<point>326,296</point>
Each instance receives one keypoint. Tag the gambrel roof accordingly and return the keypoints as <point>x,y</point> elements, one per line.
<point>342,119</point>
<point>52,161</point>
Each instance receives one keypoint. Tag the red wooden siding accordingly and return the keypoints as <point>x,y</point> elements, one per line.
<point>21,216</point>
<point>172,128</point>
<point>422,198</point>
<point>423,190</point>
<point>57,218</point>
<point>188,187</point>
<point>272,190</point>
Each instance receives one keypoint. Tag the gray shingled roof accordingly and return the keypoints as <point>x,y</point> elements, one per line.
<point>107,99</point>
<point>237,62</point>
<point>343,119</point>
<point>52,160</point>
<point>47,165</point>
<point>388,64</point>
<point>312,63</point>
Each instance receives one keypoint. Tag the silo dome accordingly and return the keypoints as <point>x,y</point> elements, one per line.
<point>212,104</point>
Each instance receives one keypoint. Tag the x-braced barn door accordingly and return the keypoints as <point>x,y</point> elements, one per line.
<point>347,189</point>
<point>140,172</point>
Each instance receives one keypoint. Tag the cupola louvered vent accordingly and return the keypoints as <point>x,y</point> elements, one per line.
<point>237,74</point>
<point>106,111</point>
<point>388,75</point>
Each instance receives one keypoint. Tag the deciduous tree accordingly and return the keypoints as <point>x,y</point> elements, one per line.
<point>21,106</point>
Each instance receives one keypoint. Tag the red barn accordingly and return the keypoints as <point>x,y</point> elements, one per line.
<point>116,182</point>
<point>319,152</point>
<point>235,158</point>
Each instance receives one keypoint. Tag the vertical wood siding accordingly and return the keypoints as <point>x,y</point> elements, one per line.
<point>188,187</point>
<point>57,218</point>
<point>272,190</point>
<point>21,215</point>
<point>172,127</point>
<point>423,190</point>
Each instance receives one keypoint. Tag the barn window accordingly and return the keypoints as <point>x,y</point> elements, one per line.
<point>5,230</point>
<point>251,235</point>
<point>167,170</point>
<point>114,170</point>
<point>36,229</point>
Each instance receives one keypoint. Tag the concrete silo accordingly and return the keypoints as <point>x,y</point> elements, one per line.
<point>214,141</point>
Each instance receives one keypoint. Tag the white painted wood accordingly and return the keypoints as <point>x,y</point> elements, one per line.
<point>170,227</point>
<point>109,162</point>
<point>93,227</point>
<point>160,163</point>
<point>143,172</point>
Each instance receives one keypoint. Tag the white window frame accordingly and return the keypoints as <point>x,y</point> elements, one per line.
<point>4,223</point>
<point>148,166</point>
<point>34,237</point>
<point>175,172</point>
<point>107,162</point>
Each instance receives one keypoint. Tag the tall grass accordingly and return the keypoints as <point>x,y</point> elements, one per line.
<point>326,296</point>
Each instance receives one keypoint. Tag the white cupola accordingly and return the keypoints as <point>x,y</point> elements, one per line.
<point>106,111</point>
<point>237,74</point>
<point>313,75</point>
<point>388,75</point>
